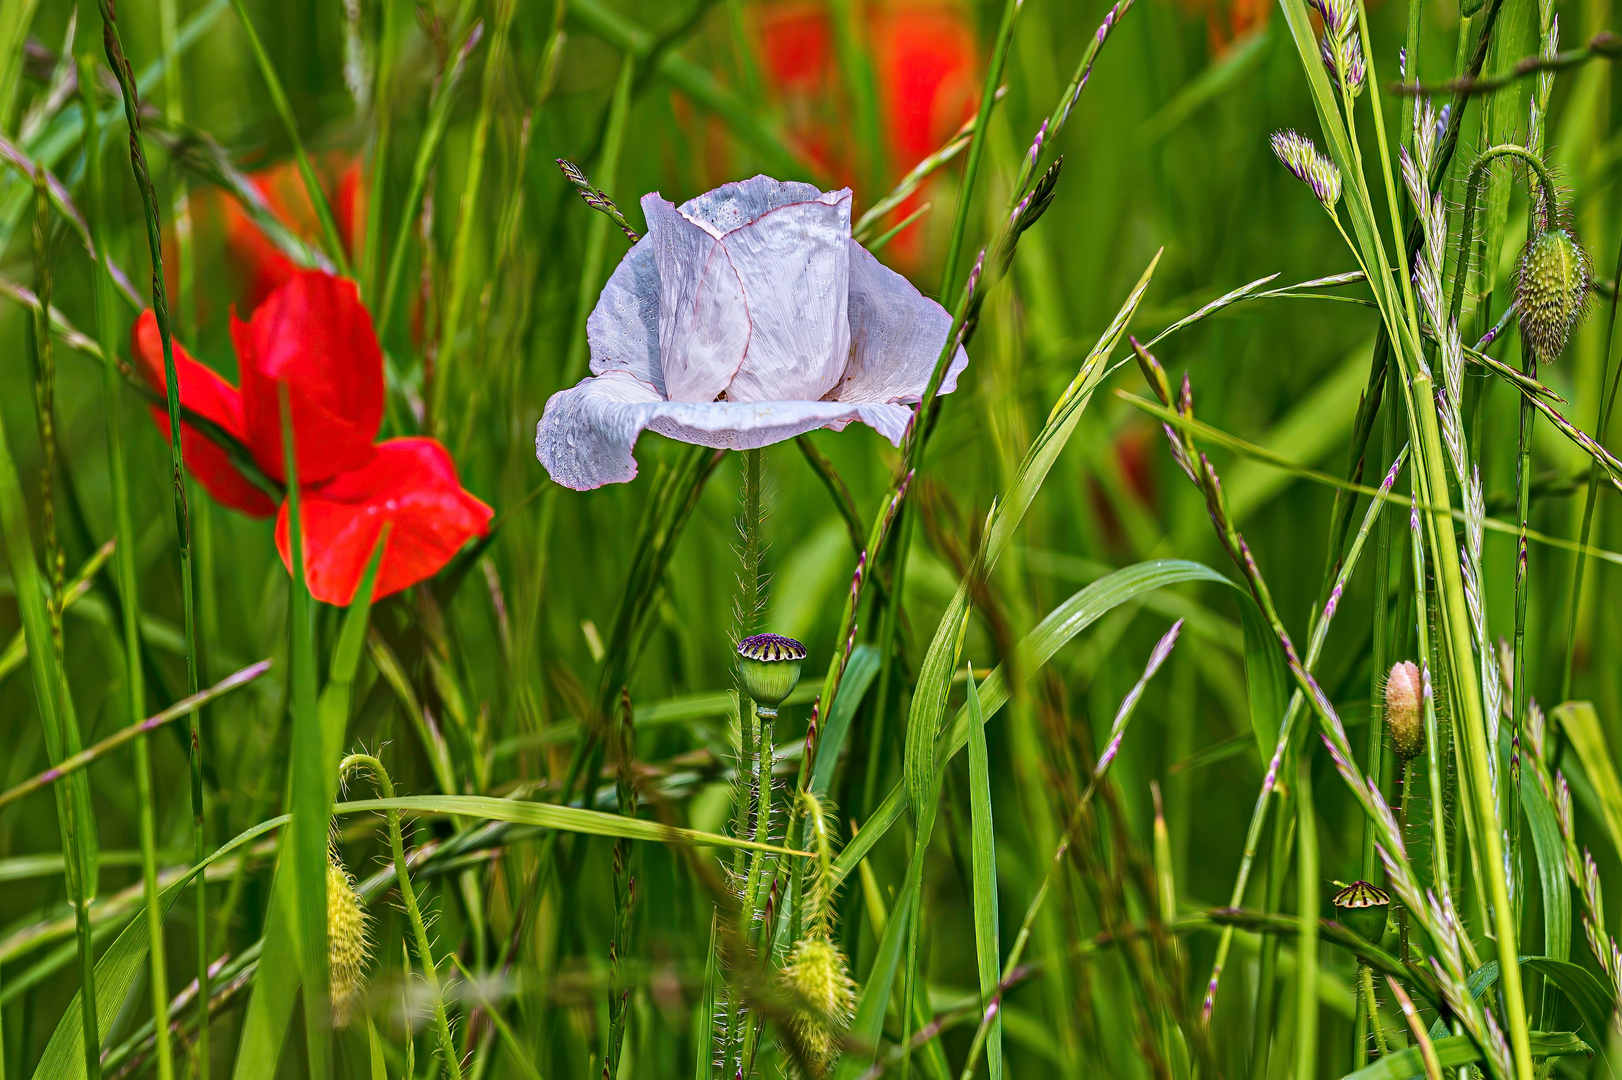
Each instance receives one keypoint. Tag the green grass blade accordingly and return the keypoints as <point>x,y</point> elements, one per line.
<point>1062,624</point>
<point>1581,724</point>
<point>552,816</point>
<point>984,846</point>
<point>1457,1050</point>
<point>64,1057</point>
<point>859,672</point>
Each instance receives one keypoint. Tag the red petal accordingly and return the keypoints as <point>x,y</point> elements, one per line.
<point>412,483</point>
<point>314,334</point>
<point>205,393</point>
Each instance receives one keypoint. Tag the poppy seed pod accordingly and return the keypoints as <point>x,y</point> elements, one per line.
<point>348,944</point>
<point>1403,694</point>
<point>1551,288</point>
<point>818,976</point>
<point>1361,908</point>
<point>770,667</point>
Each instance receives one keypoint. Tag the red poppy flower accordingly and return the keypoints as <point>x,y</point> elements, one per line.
<point>410,483</point>
<point>205,393</point>
<point>313,336</point>
<point>924,61</point>
<point>262,264</point>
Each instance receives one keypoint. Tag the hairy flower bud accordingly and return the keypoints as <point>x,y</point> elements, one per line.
<point>1404,719</point>
<point>819,978</point>
<point>1552,291</point>
<point>348,944</point>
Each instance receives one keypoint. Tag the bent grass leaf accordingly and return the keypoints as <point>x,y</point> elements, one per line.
<point>1062,624</point>
<point>1457,1050</point>
<point>1581,724</point>
<point>552,816</point>
<point>116,971</point>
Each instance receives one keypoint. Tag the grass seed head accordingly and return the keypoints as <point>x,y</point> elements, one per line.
<point>1552,290</point>
<point>349,945</point>
<point>1306,164</point>
<point>818,976</point>
<point>1404,719</point>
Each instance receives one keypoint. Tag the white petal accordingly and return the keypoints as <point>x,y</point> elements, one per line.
<point>586,434</point>
<point>732,205</point>
<point>703,319</point>
<point>794,264</point>
<point>896,334</point>
<point>624,326</point>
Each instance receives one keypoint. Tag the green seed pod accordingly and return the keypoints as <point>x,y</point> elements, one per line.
<point>1361,908</point>
<point>770,667</point>
<point>825,999</point>
<point>1404,717</point>
<point>1551,288</point>
<point>348,944</point>
<point>1470,7</point>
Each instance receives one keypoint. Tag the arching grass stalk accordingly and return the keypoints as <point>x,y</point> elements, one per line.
<point>425,953</point>
<point>160,305</point>
<point>78,825</point>
<point>124,565</point>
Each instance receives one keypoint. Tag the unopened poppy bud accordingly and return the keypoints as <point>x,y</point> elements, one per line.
<point>1361,908</point>
<point>1552,291</point>
<point>825,999</point>
<point>348,944</point>
<point>1403,719</point>
<point>770,667</point>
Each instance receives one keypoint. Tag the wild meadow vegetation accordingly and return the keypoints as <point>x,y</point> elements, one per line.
<point>1121,578</point>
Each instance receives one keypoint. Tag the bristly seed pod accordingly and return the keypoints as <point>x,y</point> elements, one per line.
<point>770,667</point>
<point>348,944</point>
<point>819,978</point>
<point>1361,908</point>
<point>1404,719</point>
<point>1552,291</point>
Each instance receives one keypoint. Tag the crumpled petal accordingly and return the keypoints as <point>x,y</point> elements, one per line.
<point>623,329</point>
<point>204,392</point>
<point>587,432</point>
<point>410,483</point>
<point>896,336</point>
<point>314,333</point>
<point>704,327</point>
<point>736,204</point>
<point>793,260</point>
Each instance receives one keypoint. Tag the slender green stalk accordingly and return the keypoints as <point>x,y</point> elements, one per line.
<point>1609,380</point>
<point>160,306</point>
<point>1306,953</point>
<point>433,135</point>
<point>977,147</point>
<point>306,842</point>
<point>78,825</point>
<point>461,255</point>
<point>383,127</point>
<point>332,240</point>
<point>124,554</point>
<point>591,271</point>
<point>408,894</point>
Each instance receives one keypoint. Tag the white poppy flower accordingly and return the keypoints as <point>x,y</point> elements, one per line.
<point>744,317</point>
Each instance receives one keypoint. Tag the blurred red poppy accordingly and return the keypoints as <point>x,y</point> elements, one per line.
<point>924,59</point>
<point>313,335</point>
<point>264,267</point>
